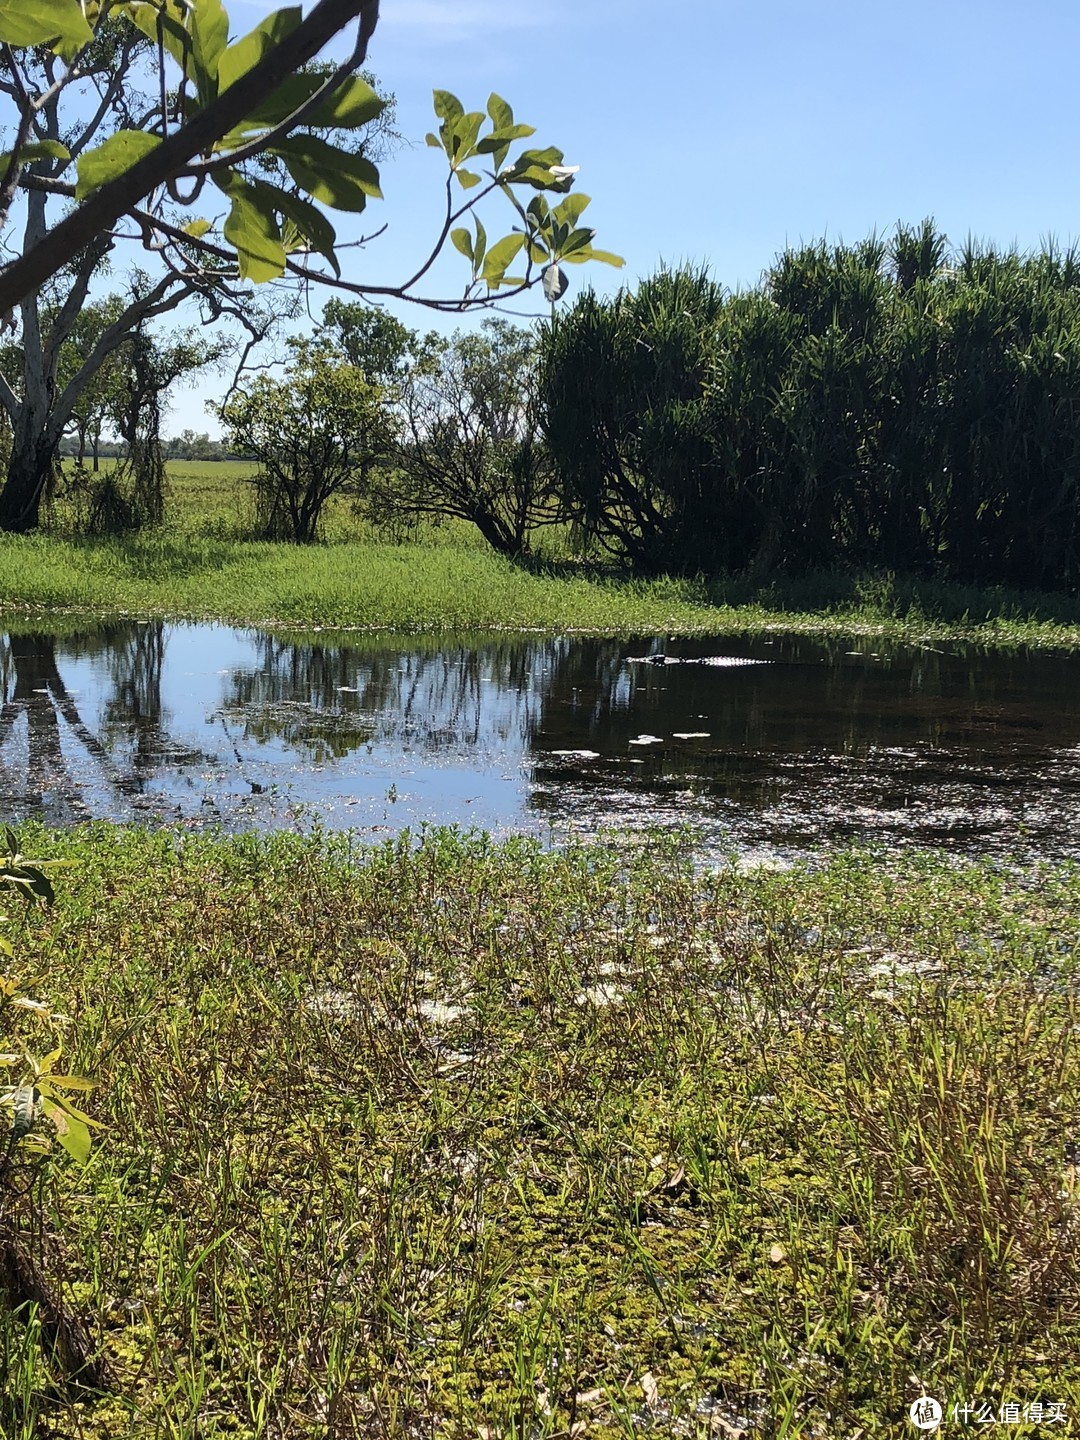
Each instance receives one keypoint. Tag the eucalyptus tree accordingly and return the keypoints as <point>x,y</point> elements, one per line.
<point>96,406</point>
<point>369,338</point>
<point>139,111</point>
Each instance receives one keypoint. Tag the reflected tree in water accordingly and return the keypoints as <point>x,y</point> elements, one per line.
<point>32,688</point>
<point>331,700</point>
<point>45,740</point>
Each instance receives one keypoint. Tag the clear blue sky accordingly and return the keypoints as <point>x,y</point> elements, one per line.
<point>722,132</point>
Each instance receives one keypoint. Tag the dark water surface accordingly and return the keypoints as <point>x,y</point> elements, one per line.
<point>816,742</point>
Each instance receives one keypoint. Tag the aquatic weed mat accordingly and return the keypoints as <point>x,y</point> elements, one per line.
<point>462,1138</point>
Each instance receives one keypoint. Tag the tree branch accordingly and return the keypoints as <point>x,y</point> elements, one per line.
<point>302,113</point>
<point>108,96</point>
<point>105,207</point>
<point>61,326</point>
<point>155,302</point>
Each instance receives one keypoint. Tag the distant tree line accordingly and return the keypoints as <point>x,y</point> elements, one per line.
<point>888,404</point>
<point>893,404</point>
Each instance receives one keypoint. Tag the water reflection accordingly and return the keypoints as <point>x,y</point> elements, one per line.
<point>189,725</point>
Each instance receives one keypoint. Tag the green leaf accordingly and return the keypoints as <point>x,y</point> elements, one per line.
<point>481,243</point>
<point>253,230</point>
<point>607,258</point>
<point>570,210</point>
<point>501,139</point>
<point>197,228</point>
<point>334,176</point>
<point>111,158</point>
<point>433,141</point>
<point>36,150</point>
<point>73,1082</point>
<point>542,169</point>
<point>353,104</point>
<point>174,34</point>
<point>467,179</point>
<point>577,240</point>
<point>71,1133</point>
<point>462,240</point>
<point>447,107</point>
<point>311,224</point>
<point>538,176</point>
<point>503,131</point>
<point>238,59</point>
<point>502,117</point>
<point>545,158</point>
<point>60,24</point>
<point>464,131</point>
<point>209,37</point>
<point>499,257</point>
<point>67,1107</point>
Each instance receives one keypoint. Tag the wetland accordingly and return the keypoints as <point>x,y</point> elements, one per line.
<point>768,746</point>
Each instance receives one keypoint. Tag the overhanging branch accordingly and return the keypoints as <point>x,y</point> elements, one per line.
<point>106,206</point>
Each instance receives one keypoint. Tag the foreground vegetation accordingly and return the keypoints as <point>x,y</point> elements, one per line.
<point>475,1138</point>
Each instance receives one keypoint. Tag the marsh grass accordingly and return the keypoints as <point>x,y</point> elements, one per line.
<point>449,586</point>
<point>472,1139</point>
<point>204,565</point>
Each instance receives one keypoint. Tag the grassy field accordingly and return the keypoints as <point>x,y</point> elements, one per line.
<point>200,566</point>
<point>475,1140</point>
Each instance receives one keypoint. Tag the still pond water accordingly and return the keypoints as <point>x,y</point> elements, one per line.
<point>769,746</point>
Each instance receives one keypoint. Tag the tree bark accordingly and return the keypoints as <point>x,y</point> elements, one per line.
<point>61,1329</point>
<point>32,457</point>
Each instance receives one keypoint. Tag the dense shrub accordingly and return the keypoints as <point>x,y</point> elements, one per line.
<point>883,403</point>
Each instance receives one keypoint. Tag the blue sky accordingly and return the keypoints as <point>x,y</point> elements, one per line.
<point>721,132</point>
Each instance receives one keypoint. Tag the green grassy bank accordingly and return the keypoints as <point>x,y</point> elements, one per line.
<point>474,1140</point>
<point>450,584</point>
<point>203,565</point>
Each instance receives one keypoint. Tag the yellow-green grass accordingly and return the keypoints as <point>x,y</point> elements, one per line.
<point>362,584</point>
<point>471,1140</point>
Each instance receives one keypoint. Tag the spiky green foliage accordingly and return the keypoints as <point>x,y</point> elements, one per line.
<point>879,403</point>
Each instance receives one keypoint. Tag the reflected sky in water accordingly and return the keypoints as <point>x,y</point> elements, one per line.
<point>816,742</point>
